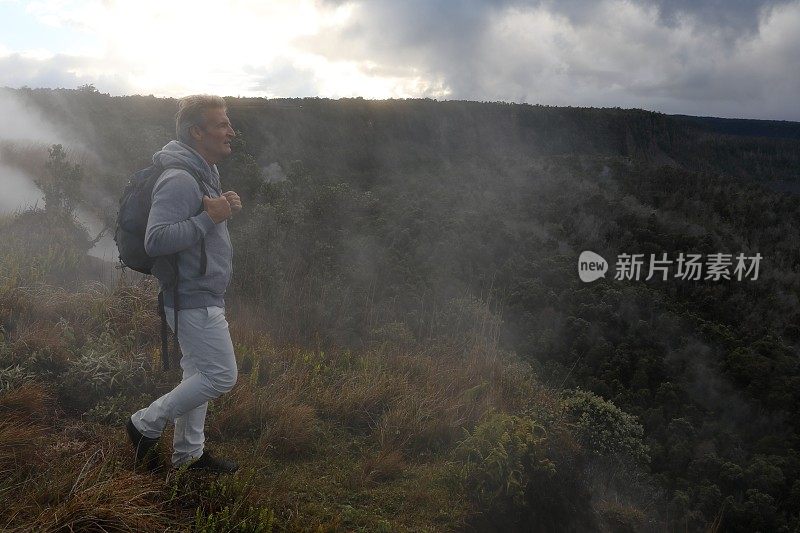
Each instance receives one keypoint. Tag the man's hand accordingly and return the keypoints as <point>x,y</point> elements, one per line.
<point>234,200</point>
<point>218,209</point>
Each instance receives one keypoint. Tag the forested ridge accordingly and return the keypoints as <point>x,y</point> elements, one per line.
<point>404,222</point>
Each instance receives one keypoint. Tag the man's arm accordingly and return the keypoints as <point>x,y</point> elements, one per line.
<point>174,223</point>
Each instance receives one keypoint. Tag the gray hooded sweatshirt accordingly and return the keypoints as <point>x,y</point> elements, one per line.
<point>176,225</point>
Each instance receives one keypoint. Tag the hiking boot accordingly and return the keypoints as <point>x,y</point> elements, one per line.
<point>210,463</point>
<point>146,448</point>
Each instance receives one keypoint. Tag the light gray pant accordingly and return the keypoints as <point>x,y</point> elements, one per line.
<point>209,370</point>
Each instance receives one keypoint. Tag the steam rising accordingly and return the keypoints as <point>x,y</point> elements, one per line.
<point>22,193</point>
<point>25,126</point>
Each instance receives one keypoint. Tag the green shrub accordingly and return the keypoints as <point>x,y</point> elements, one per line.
<point>14,376</point>
<point>501,457</point>
<point>222,504</point>
<point>603,428</point>
<point>253,520</point>
<point>101,370</point>
<point>115,410</point>
<point>521,477</point>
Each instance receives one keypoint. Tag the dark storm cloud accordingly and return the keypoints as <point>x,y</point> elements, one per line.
<point>729,14</point>
<point>733,15</point>
<point>730,58</point>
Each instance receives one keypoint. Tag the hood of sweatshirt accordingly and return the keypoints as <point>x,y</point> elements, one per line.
<point>176,153</point>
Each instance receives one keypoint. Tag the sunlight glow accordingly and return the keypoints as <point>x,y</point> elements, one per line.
<point>174,48</point>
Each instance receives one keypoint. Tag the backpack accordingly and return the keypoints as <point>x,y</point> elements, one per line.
<point>129,234</point>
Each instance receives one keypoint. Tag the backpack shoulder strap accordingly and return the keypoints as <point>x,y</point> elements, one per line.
<point>203,190</point>
<point>200,183</point>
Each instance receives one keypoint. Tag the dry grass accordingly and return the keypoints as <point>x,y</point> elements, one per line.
<point>291,428</point>
<point>269,414</point>
<point>122,309</point>
<point>383,465</point>
<point>417,402</point>
<point>443,396</point>
<point>22,411</point>
<point>239,413</point>
<point>334,426</point>
<point>11,300</point>
<point>360,399</point>
<point>27,402</point>
<point>77,482</point>
<point>95,497</point>
<point>132,309</point>
<point>44,341</point>
<point>411,425</point>
<point>18,444</point>
<point>248,325</point>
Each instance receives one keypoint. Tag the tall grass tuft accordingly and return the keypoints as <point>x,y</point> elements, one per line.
<point>27,402</point>
<point>99,497</point>
<point>18,444</point>
<point>22,413</point>
<point>275,418</point>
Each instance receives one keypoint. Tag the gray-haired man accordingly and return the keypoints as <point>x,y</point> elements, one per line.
<point>187,230</point>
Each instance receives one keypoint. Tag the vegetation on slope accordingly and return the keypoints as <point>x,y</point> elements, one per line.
<point>417,242</point>
<point>424,437</point>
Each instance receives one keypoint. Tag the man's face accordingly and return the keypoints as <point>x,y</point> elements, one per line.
<point>214,142</point>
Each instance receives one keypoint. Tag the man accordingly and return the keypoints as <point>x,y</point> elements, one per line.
<point>187,230</point>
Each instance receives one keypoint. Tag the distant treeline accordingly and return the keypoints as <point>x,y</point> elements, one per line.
<point>357,136</point>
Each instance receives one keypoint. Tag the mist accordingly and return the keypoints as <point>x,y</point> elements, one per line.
<point>26,129</point>
<point>25,124</point>
<point>105,248</point>
<point>23,193</point>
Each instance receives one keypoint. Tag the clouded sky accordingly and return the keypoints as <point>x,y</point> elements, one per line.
<point>730,58</point>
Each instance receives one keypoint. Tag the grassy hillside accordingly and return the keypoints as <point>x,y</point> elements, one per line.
<point>394,436</point>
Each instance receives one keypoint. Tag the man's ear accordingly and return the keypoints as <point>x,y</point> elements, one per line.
<point>196,132</point>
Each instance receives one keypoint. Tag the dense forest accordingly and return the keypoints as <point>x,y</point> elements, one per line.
<point>451,228</point>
